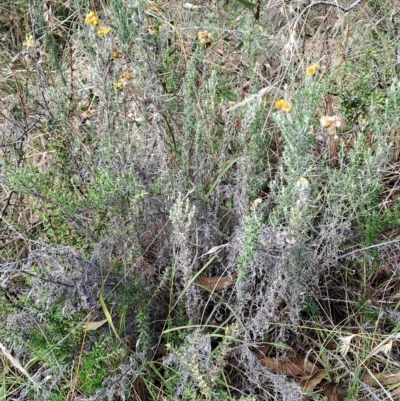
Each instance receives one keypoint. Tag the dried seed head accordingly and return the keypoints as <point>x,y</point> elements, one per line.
<point>330,121</point>
<point>205,38</point>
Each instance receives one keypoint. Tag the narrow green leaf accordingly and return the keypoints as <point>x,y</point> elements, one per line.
<point>229,165</point>
<point>231,96</point>
<point>247,4</point>
<point>3,393</point>
<point>3,387</point>
<point>108,315</point>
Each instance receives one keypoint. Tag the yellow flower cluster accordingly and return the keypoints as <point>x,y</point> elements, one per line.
<point>123,80</point>
<point>312,70</point>
<point>91,19</point>
<point>205,38</point>
<point>30,41</point>
<point>283,105</point>
<point>103,31</point>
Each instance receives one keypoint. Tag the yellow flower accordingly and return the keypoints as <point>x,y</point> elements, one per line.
<point>117,54</point>
<point>125,76</point>
<point>205,38</point>
<point>312,69</point>
<point>279,103</point>
<point>105,30</point>
<point>283,105</point>
<point>286,106</point>
<point>123,80</point>
<point>29,41</point>
<point>91,19</point>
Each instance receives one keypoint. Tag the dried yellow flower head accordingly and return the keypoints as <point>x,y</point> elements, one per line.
<point>123,80</point>
<point>116,54</point>
<point>91,19</point>
<point>256,204</point>
<point>330,121</point>
<point>30,41</point>
<point>125,76</point>
<point>312,70</point>
<point>283,105</point>
<point>205,38</point>
<point>103,31</point>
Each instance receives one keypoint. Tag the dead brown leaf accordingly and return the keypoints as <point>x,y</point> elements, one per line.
<point>294,366</point>
<point>383,379</point>
<point>308,367</point>
<point>310,383</point>
<point>94,325</point>
<point>216,283</point>
<point>88,113</point>
<point>262,350</point>
<point>287,368</point>
<point>334,391</point>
